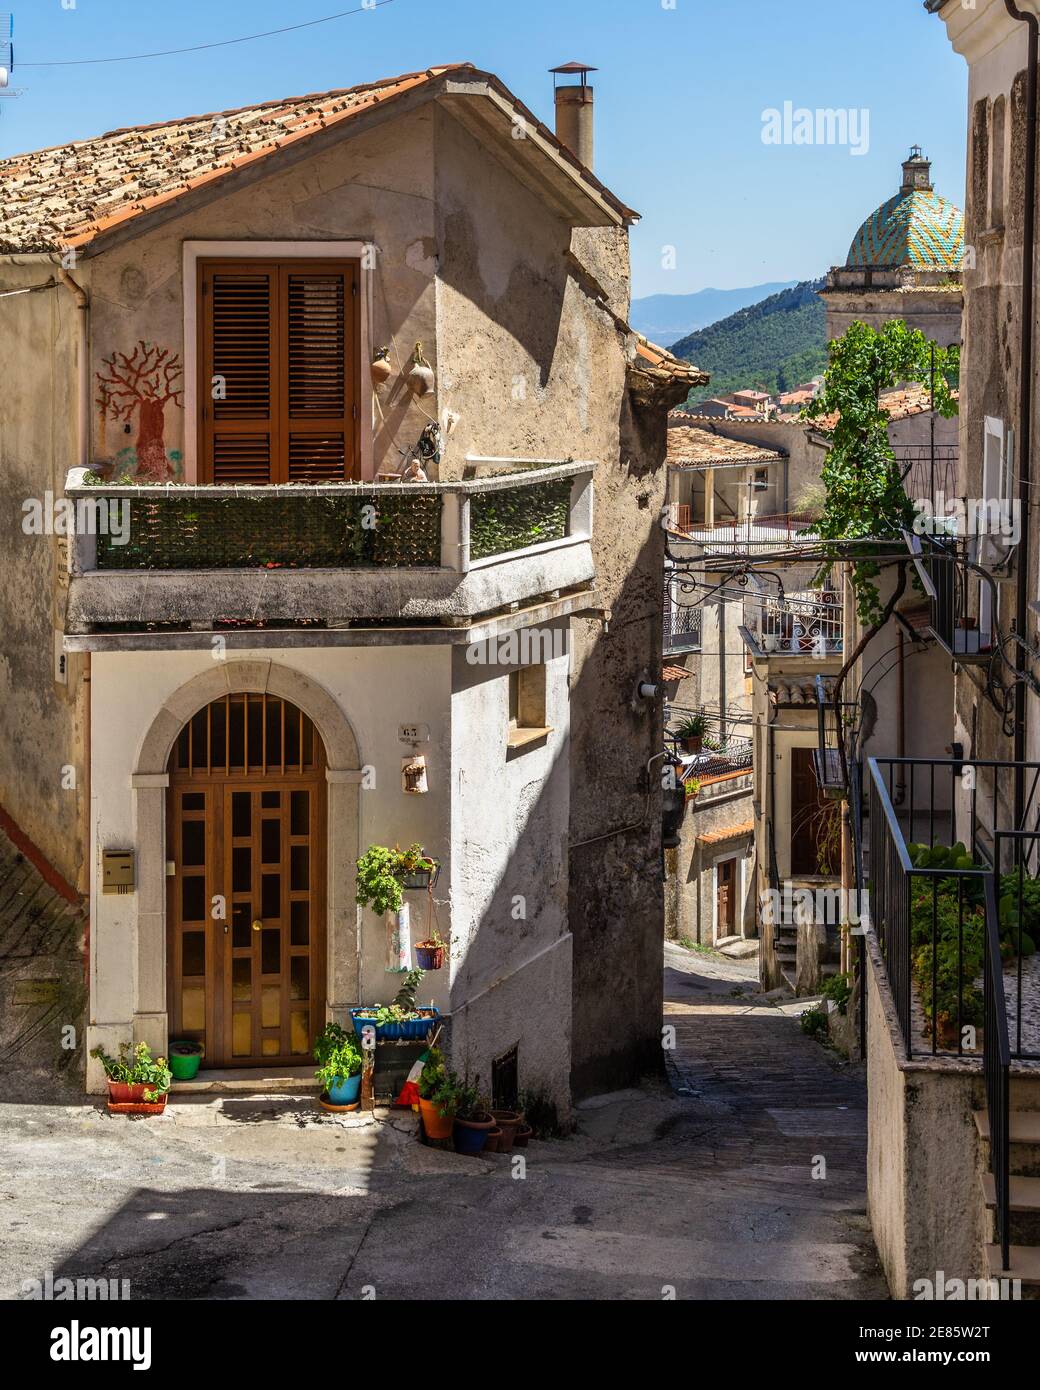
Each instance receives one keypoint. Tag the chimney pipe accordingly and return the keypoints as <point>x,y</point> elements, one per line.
<point>574,111</point>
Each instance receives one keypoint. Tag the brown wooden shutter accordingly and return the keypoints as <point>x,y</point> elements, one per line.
<point>285,338</point>
<point>238,376</point>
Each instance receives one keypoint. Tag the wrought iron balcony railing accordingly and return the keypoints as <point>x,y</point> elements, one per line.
<point>808,623</point>
<point>962,594</point>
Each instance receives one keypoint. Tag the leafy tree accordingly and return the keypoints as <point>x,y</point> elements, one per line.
<point>865,497</point>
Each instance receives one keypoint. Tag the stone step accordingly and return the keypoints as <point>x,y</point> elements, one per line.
<point>1024,1193</point>
<point>263,1081</point>
<point>1024,1126</point>
<point>1025,1265</point>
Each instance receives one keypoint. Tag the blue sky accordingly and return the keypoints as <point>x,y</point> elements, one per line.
<point>681,92</point>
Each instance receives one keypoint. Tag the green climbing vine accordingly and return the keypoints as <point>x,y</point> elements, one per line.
<point>865,497</point>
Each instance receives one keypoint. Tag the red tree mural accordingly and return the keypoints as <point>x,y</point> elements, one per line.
<point>145,380</point>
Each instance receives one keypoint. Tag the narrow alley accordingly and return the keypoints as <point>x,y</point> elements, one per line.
<point>707,1191</point>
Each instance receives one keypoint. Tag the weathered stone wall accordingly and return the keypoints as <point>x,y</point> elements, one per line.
<point>923,1164</point>
<point>691,880</point>
<point>42,727</point>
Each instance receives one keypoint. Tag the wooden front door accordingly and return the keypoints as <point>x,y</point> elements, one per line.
<point>726,897</point>
<point>246,899</point>
<point>813,842</point>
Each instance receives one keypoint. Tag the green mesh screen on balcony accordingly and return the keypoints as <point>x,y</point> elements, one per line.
<point>523,516</point>
<point>277,531</point>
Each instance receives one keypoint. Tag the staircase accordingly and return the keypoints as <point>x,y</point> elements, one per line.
<point>1025,1188</point>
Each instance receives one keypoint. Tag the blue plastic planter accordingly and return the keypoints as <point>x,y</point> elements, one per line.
<point>346,1090</point>
<point>416,1029</point>
<point>469,1140</point>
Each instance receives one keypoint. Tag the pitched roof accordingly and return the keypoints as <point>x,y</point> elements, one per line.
<point>900,404</point>
<point>69,195</point>
<point>692,446</point>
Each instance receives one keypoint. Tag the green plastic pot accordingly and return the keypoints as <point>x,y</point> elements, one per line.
<point>185,1066</point>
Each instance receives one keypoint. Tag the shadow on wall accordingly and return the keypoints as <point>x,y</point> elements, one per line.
<point>616,888</point>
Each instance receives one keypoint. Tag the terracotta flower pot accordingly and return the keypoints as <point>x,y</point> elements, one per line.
<point>522,1135</point>
<point>693,744</point>
<point>436,1125</point>
<point>508,1122</point>
<point>493,1142</point>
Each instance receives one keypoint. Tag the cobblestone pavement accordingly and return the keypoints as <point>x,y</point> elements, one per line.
<point>708,1193</point>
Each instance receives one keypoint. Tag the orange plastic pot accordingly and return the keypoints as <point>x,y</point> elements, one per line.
<point>437,1126</point>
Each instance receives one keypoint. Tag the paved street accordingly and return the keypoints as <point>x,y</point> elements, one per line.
<point>707,1190</point>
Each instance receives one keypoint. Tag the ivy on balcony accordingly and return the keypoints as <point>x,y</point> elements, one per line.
<point>513,520</point>
<point>277,530</point>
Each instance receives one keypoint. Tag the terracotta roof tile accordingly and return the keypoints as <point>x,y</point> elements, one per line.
<point>674,673</point>
<point>729,832</point>
<point>900,404</point>
<point>68,195</point>
<point>692,446</point>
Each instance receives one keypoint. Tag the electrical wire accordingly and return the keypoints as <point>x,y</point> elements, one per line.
<point>201,47</point>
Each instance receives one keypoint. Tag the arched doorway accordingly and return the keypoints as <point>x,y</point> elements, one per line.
<point>246,911</point>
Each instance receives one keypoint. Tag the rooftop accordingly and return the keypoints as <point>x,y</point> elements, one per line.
<point>70,195</point>
<point>693,446</point>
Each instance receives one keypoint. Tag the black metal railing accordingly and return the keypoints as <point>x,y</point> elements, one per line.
<point>859,886</point>
<point>929,472</point>
<point>996,1055</point>
<point>683,624</point>
<point>941,834</point>
<point>963,598</point>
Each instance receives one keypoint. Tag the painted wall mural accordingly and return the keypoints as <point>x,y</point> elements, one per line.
<point>144,382</point>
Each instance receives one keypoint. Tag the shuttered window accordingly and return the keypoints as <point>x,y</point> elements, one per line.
<point>279,371</point>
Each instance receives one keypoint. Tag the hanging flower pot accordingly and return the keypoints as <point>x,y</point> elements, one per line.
<point>420,379</point>
<point>381,368</point>
<point>429,955</point>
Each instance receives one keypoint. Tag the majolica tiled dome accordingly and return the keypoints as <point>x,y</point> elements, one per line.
<point>915,228</point>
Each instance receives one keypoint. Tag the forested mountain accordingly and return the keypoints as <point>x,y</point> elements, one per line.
<point>773,345</point>
<point>664,317</point>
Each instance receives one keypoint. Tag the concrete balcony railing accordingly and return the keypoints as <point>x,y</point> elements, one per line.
<point>333,555</point>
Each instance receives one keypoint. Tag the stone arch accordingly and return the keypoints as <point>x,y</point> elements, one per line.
<point>150,781</point>
<point>253,677</point>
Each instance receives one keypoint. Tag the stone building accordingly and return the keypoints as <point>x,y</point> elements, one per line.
<point>318,595</point>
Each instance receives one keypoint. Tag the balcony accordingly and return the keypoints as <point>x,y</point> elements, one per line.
<point>189,558</point>
<point>751,535</point>
<point>808,622</point>
<point>962,593</point>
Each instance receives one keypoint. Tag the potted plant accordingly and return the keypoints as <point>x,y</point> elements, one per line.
<point>401,1019</point>
<point>429,954</point>
<point>473,1118</point>
<point>138,1084</point>
<point>691,731</point>
<point>418,871</point>
<point>379,880</point>
<point>185,1059</point>
<point>383,874</point>
<point>691,786</point>
<point>437,1097</point>
<point>339,1065</point>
